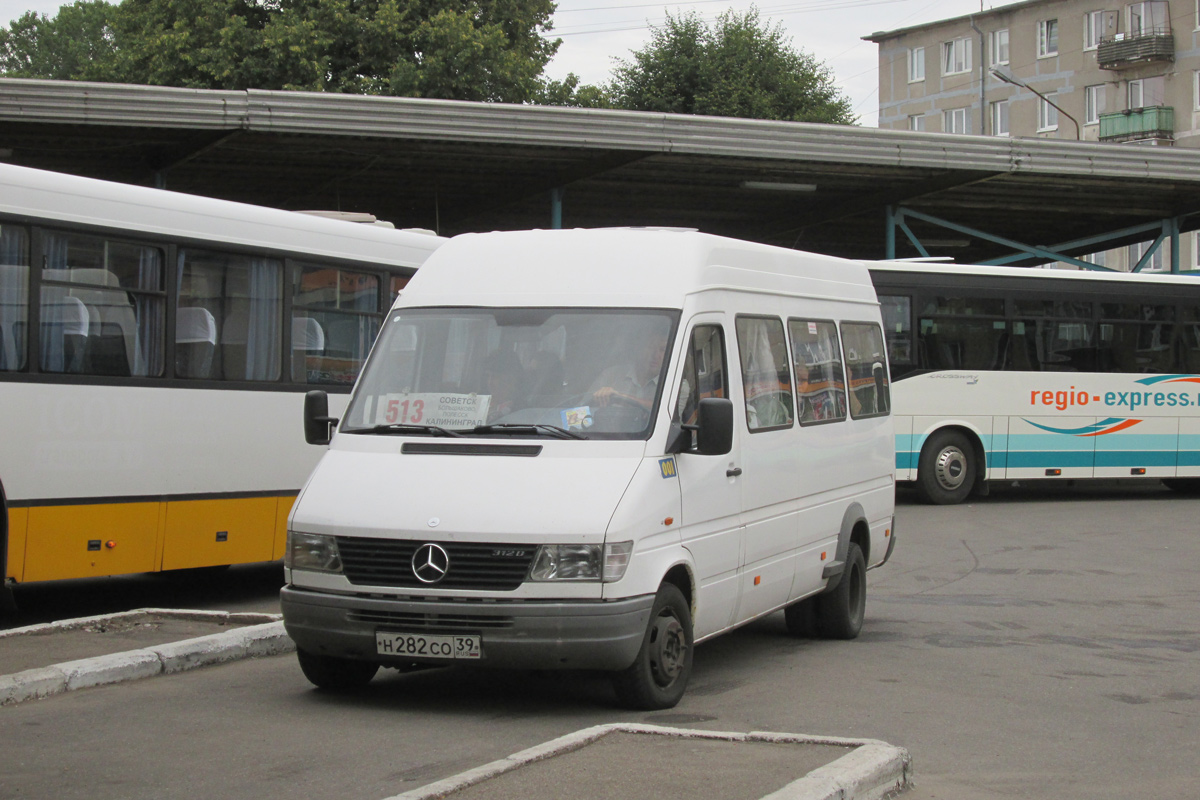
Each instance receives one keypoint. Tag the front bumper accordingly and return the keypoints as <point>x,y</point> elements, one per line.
<point>603,635</point>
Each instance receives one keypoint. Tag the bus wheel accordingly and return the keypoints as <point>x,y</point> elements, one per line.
<point>840,612</point>
<point>336,674</point>
<point>946,471</point>
<point>659,675</point>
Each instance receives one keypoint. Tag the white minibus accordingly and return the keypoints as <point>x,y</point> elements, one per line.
<point>592,449</point>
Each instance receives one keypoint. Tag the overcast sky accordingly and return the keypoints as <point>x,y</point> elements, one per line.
<point>595,32</point>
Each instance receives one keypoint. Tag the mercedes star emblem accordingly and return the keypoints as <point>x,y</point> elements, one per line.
<point>430,563</point>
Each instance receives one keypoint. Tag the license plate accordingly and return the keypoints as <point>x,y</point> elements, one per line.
<point>427,646</point>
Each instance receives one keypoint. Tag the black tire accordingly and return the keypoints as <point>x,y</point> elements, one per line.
<point>840,611</point>
<point>336,674</point>
<point>801,618</point>
<point>946,470</point>
<point>659,675</point>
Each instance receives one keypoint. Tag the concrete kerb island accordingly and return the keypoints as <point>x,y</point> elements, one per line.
<point>260,635</point>
<point>868,770</point>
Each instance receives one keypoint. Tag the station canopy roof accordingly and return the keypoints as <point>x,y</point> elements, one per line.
<point>458,166</point>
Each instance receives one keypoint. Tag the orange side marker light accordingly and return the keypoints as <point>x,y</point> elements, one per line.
<point>110,544</point>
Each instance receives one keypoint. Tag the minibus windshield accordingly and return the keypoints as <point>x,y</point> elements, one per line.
<point>563,373</point>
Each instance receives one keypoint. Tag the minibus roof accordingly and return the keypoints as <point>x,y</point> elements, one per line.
<point>623,267</point>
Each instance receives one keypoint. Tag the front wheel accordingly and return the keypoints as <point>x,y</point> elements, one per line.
<point>840,612</point>
<point>335,674</point>
<point>946,470</point>
<point>659,675</point>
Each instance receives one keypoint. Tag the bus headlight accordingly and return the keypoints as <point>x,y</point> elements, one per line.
<point>312,552</point>
<point>581,562</point>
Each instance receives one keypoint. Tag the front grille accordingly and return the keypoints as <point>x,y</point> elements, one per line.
<point>388,562</point>
<point>429,622</point>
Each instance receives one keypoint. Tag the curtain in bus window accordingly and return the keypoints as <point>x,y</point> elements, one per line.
<point>766,375</point>
<point>265,302</point>
<point>866,369</point>
<point>14,296</point>
<point>244,297</point>
<point>1137,337</point>
<point>820,384</point>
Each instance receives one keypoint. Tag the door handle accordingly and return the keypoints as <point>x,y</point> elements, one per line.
<point>733,473</point>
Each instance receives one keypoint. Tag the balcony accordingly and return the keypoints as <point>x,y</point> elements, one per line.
<point>1133,49</point>
<point>1138,124</point>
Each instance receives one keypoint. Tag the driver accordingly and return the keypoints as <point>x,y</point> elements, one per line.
<point>634,383</point>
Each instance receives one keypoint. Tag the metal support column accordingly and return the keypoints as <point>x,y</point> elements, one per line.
<point>556,203</point>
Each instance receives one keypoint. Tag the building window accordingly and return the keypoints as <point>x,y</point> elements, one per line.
<point>916,64</point>
<point>1000,47</point>
<point>1093,103</point>
<point>1000,118</point>
<point>1093,29</point>
<point>1047,38</point>
<point>956,56</point>
<point>1135,99</point>
<point>1154,263</point>
<point>955,121</point>
<point>916,122</point>
<point>1047,116</point>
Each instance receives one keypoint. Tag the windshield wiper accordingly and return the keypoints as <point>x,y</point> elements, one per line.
<point>401,429</point>
<point>518,428</point>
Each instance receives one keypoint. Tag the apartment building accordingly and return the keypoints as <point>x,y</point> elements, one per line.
<point>1093,70</point>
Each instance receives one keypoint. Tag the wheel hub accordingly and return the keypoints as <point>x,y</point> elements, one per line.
<point>669,650</point>
<point>951,468</point>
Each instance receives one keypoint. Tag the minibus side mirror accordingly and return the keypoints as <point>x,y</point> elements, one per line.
<point>714,426</point>
<point>318,425</point>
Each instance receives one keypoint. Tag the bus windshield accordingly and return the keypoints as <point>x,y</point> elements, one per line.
<point>557,372</point>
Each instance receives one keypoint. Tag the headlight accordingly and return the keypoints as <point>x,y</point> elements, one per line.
<point>313,552</point>
<point>581,562</point>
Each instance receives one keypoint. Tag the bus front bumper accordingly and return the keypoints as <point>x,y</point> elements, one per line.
<point>601,635</point>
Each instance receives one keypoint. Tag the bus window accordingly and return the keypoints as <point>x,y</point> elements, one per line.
<point>866,365</point>
<point>820,384</point>
<point>1052,336</point>
<point>335,316</point>
<point>963,333</point>
<point>765,373</point>
<point>1189,339</point>
<point>102,306</point>
<point>14,294</point>
<point>1137,337</point>
<point>897,329</point>
<point>242,296</point>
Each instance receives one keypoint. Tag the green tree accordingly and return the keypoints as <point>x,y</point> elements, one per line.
<point>77,43</point>
<point>738,67</point>
<point>459,49</point>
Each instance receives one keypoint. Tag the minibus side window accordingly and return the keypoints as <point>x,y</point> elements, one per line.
<point>766,376</point>
<point>866,367</point>
<point>703,372</point>
<point>820,384</point>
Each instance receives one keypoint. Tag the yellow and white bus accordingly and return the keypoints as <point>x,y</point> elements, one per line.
<point>155,349</point>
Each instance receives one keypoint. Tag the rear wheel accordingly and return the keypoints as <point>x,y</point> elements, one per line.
<point>840,612</point>
<point>336,674</point>
<point>946,470</point>
<point>659,675</point>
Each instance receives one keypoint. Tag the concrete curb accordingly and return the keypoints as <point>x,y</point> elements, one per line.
<point>873,770</point>
<point>265,639</point>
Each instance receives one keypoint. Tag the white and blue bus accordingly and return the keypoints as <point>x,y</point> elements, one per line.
<point>155,349</point>
<point>1004,373</point>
